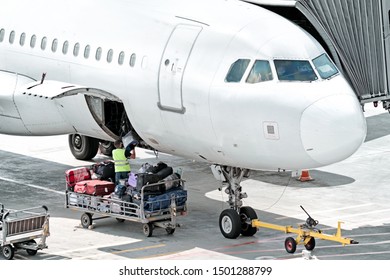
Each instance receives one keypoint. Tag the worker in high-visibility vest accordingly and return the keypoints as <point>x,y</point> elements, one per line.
<point>121,156</point>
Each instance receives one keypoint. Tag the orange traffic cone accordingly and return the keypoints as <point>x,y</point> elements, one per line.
<point>305,176</point>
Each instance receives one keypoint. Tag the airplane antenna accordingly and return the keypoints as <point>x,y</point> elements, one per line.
<point>43,77</point>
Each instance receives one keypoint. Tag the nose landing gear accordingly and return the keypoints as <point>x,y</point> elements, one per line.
<point>238,219</point>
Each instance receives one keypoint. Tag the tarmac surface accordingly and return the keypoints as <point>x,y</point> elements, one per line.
<point>355,191</point>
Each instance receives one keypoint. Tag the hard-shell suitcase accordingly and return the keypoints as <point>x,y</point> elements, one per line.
<point>145,179</point>
<point>72,176</point>
<point>94,187</point>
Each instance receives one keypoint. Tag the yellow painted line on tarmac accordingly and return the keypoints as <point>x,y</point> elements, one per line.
<point>139,249</point>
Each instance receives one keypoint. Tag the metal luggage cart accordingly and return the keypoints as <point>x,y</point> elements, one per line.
<point>20,228</point>
<point>157,211</point>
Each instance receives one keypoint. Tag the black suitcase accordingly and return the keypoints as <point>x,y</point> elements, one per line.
<point>163,173</point>
<point>157,168</point>
<point>146,179</point>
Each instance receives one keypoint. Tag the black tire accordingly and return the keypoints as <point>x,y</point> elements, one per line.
<point>170,231</point>
<point>83,147</point>
<point>32,252</point>
<point>290,245</point>
<point>230,224</point>
<point>148,229</point>
<point>311,244</point>
<point>8,252</point>
<point>86,220</point>
<point>120,220</point>
<point>106,148</point>
<point>247,213</point>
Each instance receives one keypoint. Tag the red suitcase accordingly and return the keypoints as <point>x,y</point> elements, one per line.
<point>75,175</point>
<point>94,187</point>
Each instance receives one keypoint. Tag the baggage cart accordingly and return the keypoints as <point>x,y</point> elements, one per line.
<point>19,229</point>
<point>150,210</point>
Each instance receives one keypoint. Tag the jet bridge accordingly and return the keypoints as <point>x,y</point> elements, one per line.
<point>355,34</point>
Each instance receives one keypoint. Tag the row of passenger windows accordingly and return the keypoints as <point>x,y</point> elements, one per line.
<point>67,48</point>
<point>286,70</point>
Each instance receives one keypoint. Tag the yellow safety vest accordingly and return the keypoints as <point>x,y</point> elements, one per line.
<point>121,162</point>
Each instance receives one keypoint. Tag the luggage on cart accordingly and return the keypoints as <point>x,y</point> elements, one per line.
<point>163,201</point>
<point>72,176</point>
<point>144,179</point>
<point>104,170</point>
<point>156,168</point>
<point>165,172</point>
<point>94,187</point>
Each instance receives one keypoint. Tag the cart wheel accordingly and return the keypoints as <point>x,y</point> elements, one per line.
<point>230,224</point>
<point>32,252</point>
<point>8,252</point>
<point>148,229</point>
<point>290,244</point>
<point>247,213</point>
<point>311,244</point>
<point>120,220</point>
<point>170,230</point>
<point>86,220</point>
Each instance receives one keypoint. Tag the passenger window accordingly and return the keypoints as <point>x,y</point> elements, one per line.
<point>121,58</point>
<point>22,39</point>
<point>76,49</point>
<point>98,55</point>
<point>54,45</point>
<point>295,70</point>
<point>12,37</point>
<point>132,59</point>
<point>237,70</point>
<point>33,41</point>
<point>43,43</point>
<point>2,32</point>
<point>325,66</point>
<point>110,54</point>
<point>261,72</point>
<point>65,47</point>
<point>87,50</point>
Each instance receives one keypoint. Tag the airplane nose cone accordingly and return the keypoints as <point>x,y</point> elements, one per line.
<point>333,128</point>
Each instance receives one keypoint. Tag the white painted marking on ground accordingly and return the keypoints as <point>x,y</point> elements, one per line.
<point>30,185</point>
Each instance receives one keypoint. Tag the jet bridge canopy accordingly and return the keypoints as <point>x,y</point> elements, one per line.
<point>354,32</point>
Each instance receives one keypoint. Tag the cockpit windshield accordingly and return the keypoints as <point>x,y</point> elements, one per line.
<point>260,72</point>
<point>237,70</point>
<point>324,66</point>
<point>295,70</point>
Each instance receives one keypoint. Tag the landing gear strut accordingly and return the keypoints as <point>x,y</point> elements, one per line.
<point>238,219</point>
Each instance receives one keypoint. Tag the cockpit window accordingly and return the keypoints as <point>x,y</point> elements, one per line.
<point>295,70</point>
<point>325,66</point>
<point>261,71</point>
<point>237,70</point>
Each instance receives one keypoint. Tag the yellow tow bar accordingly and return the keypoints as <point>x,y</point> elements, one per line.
<point>305,235</point>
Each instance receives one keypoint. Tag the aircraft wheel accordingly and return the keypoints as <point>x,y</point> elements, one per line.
<point>247,213</point>
<point>106,148</point>
<point>290,245</point>
<point>170,231</point>
<point>8,252</point>
<point>86,220</point>
<point>83,147</point>
<point>311,244</point>
<point>230,224</point>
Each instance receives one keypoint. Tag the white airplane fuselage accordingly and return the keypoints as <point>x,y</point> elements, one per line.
<point>167,62</point>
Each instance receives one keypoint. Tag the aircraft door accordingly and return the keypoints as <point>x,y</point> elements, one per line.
<point>172,67</point>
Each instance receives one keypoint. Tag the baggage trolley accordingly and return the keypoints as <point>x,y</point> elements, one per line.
<point>150,210</point>
<point>20,228</point>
